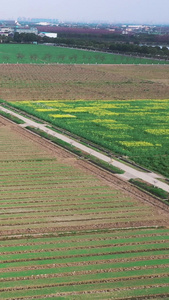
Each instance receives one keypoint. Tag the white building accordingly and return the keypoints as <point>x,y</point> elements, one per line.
<point>49,34</point>
<point>6,31</point>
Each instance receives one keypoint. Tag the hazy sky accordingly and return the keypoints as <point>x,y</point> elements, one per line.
<point>131,11</point>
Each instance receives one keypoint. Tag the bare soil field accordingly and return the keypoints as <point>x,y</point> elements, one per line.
<point>70,230</point>
<point>89,82</point>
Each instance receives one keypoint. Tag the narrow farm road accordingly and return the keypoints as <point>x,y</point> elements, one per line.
<point>130,172</point>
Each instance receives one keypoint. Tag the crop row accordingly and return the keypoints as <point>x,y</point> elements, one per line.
<point>159,283</point>
<point>116,257</point>
<point>91,250</point>
<point>104,234</point>
<point>29,201</point>
<point>54,238</point>
<point>70,209</point>
<point>103,215</point>
<point>137,241</point>
<point>60,192</point>
<point>74,223</point>
<point>99,266</point>
<point>116,278</point>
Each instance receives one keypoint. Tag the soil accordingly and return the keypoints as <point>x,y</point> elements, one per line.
<point>88,82</point>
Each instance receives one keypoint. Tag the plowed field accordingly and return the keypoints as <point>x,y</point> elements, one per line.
<point>108,82</point>
<point>70,231</point>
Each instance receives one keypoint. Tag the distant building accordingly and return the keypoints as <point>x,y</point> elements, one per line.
<point>6,31</point>
<point>43,24</point>
<point>27,30</point>
<point>50,21</point>
<point>48,34</point>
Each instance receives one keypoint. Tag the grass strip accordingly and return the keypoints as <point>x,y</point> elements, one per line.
<point>151,189</point>
<point>11,117</point>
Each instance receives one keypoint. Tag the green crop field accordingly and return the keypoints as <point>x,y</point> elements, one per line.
<point>66,233</point>
<point>40,54</point>
<point>138,129</point>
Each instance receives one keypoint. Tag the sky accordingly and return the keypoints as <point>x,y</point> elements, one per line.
<point>115,11</point>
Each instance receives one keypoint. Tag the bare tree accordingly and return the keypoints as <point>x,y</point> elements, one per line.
<point>20,55</point>
<point>33,57</point>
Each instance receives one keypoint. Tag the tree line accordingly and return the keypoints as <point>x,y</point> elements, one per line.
<point>117,43</point>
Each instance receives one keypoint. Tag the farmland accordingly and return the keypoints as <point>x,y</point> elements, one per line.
<point>68,229</point>
<point>133,128</point>
<point>73,82</point>
<point>68,233</point>
<point>40,54</point>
